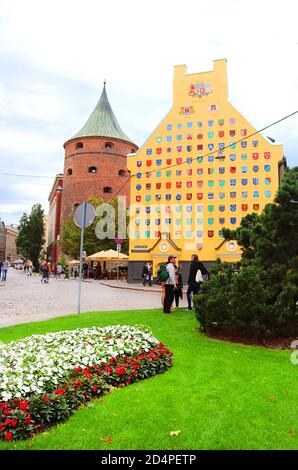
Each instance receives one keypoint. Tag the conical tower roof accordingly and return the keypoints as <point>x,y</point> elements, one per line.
<point>102,122</point>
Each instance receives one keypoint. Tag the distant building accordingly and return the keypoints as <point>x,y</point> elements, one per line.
<point>2,239</point>
<point>203,168</point>
<point>10,248</point>
<point>53,224</point>
<point>95,165</point>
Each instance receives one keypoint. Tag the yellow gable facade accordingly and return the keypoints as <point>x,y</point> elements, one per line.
<point>203,168</point>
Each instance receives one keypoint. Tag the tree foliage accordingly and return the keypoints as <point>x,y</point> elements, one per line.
<point>262,298</point>
<point>30,239</point>
<point>71,234</point>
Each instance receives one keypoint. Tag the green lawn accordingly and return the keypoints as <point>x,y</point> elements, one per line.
<point>218,395</point>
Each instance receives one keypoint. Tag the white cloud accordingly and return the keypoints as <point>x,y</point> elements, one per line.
<point>134,45</point>
<point>33,100</point>
<point>14,140</point>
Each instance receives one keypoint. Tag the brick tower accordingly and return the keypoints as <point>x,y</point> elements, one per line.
<point>96,159</point>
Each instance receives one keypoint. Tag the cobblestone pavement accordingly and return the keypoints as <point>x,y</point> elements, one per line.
<point>24,299</point>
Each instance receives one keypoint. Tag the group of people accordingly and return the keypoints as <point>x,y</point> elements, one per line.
<point>46,270</point>
<point>4,264</point>
<point>173,285</point>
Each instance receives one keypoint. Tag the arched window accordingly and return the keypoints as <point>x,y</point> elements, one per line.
<point>92,169</point>
<point>109,145</point>
<point>69,172</point>
<point>107,189</point>
<point>79,145</point>
<point>122,173</point>
<point>133,150</point>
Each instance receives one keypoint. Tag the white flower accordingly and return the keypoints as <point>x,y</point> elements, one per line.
<point>40,359</point>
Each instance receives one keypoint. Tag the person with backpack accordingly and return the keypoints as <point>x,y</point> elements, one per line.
<point>193,278</point>
<point>166,275</point>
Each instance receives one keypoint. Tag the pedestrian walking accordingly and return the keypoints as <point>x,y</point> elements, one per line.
<point>30,269</point>
<point>147,274</point>
<point>193,284</point>
<point>178,286</point>
<point>45,273</point>
<point>59,270</point>
<point>4,269</point>
<point>75,270</point>
<point>169,284</point>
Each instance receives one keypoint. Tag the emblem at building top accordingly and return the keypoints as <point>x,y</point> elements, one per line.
<point>199,89</point>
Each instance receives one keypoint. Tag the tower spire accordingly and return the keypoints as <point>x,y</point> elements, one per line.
<point>102,121</point>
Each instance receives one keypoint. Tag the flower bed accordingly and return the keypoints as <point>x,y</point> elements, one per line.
<point>44,378</point>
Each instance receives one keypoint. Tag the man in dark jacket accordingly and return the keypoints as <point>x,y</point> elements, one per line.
<point>193,286</point>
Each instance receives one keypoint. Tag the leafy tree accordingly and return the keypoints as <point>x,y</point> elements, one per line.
<point>30,239</point>
<point>71,234</point>
<point>262,298</point>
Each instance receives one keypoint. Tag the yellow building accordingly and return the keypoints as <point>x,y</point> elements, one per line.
<point>203,168</point>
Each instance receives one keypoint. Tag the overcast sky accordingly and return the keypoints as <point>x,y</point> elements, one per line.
<point>55,54</point>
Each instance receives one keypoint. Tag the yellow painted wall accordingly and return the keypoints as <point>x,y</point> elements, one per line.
<point>171,165</point>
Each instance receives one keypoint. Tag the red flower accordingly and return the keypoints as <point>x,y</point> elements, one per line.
<point>6,422</point>
<point>23,405</point>
<point>8,436</point>
<point>46,399</point>
<point>6,412</point>
<point>14,422</point>
<point>120,370</point>
<point>1,427</point>
<point>59,391</point>
<point>95,388</point>
<point>86,373</point>
<point>27,421</point>
<point>78,369</point>
<point>108,369</point>
<point>135,366</point>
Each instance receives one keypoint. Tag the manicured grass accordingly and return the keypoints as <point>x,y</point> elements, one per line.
<point>218,395</point>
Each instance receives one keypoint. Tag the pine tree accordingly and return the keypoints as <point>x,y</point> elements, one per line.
<point>262,299</point>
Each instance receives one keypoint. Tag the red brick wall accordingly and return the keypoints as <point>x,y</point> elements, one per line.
<point>81,184</point>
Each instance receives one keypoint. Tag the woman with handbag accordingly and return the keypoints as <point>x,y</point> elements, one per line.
<point>197,271</point>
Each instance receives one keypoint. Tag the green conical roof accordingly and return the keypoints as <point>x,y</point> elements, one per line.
<point>102,122</point>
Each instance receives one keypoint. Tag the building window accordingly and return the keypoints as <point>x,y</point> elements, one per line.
<point>122,173</point>
<point>107,189</point>
<point>92,169</point>
<point>133,150</point>
<point>69,172</point>
<point>79,145</point>
<point>109,145</point>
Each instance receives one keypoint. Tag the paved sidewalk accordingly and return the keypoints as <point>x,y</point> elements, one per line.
<point>125,285</point>
<point>24,299</point>
<point>138,287</point>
